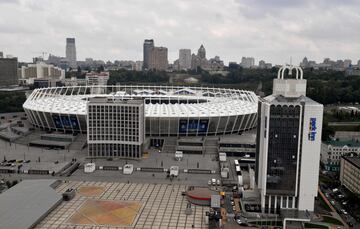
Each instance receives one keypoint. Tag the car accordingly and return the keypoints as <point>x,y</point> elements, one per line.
<point>218,182</point>
<point>332,202</point>
<point>213,181</point>
<point>344,203</point>
<point>240,222</point>
<point>341,196</point>
<point>209,182</point>
<point>232,203</point>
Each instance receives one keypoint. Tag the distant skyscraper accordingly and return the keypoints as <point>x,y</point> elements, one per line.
<point>184,59</point>
<point>8,71</point>
<point>148,46</point>
<point>1,54</point>
<point>288,145</point>
<point>71,52</point>
<point>202,52</point>
<point>158,58</point>
<point>247,62</point>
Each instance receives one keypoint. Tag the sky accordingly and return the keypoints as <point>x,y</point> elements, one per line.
<point>271,30</point>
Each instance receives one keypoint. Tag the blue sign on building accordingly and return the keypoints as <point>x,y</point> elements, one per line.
<point>312,129</point>
<point>193,126</point>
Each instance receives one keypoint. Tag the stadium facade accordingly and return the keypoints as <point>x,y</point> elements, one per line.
<point>169,110</point>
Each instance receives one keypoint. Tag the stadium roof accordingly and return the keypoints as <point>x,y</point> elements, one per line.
<point>191,102</point>
<point>25,204</point>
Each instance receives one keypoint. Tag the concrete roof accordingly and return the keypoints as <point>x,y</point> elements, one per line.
<point>354,161</point>
<point>28,202</point>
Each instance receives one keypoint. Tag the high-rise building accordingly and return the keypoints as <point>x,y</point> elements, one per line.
<point>202,52</point>
<point>247,62</point>
<point>288,145</point>
<point>71,52</point>
<point>1,55</point>
<point>115,127</point>
<point>184,59</point>
<point>158,58</point>
<point>148,46</point>
<point>8,71</point>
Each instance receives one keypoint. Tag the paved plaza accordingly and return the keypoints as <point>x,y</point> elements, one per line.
<point>159,206</point>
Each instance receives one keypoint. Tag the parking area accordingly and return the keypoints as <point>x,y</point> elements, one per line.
<point>160,206</point>
<point>343,202</point>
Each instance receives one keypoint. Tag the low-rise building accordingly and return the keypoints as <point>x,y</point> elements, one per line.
<point>347,135</point>
<point>332,151</point>
<point>350,173</point>
<point>40,70</point>
<point>95,78</point>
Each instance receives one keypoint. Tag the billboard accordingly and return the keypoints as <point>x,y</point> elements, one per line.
<point>193,125</point>
<point>57,122</point>
<point>66,122</point>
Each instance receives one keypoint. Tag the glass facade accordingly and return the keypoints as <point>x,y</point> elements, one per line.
<point>282,150</point>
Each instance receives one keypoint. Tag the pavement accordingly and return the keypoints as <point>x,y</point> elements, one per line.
<point>162,206</point>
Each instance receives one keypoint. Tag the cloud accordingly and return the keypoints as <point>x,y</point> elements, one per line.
<point>271,30</point>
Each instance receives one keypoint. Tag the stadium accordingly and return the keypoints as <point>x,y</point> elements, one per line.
<point>169,110</point>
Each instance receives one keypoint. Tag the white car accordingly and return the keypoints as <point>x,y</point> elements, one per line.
<point>213,181</point>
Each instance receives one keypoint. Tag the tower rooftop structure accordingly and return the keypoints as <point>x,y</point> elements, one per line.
<point>291,88</point>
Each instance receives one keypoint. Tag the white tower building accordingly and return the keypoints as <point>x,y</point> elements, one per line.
<point>288,145</point>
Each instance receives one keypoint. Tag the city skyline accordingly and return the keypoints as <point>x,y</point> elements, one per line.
<point>239,28</point>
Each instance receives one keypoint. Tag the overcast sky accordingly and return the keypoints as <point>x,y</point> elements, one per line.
<point>273,30</point>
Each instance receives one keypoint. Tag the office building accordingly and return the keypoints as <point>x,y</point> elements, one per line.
<point>247,62</point>
<point>138,65</point>
<point>264,65</point>
<point>148,46</point>
<point>332,151</point>
<point>1,55</point>
<point>71,52</point>
<point>44,83</point>
<point>115,127</point>
<point>350,173</point>
<point>347,63</point>
<point>347,135</point>
<point>158,58</point>
<point>184,59</point>
<point>97,78</point>
<point>8,71</point>
<point>288,145</point>
<point>39,70</point>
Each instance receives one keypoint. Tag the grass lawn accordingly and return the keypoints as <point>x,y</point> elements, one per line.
<point>328,219</point>
<point>312,225</point>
